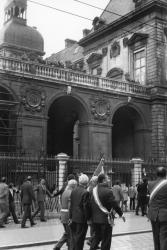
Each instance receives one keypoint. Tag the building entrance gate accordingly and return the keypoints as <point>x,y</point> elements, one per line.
<point>65,133</point>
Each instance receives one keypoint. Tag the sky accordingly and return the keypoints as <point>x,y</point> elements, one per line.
<point>56,26</point>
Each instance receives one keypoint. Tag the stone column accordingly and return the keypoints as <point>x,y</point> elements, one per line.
<point>62,158</point>
<point>136,171</point>
<point>158,131</point>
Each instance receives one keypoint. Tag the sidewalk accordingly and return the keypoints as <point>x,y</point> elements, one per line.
<point>13,236</point>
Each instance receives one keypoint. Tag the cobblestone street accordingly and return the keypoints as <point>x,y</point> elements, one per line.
<point>127,242</point>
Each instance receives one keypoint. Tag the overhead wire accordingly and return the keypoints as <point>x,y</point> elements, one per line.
<point>126,31</point>
<point>60,10</point>
<point>67,12</point>
<point>112,12</point>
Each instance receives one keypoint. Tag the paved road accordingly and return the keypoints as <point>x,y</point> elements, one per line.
<point>51,231</point>
<point>127,242</point>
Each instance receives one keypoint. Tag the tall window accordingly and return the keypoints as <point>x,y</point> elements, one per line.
<point>140,66</point>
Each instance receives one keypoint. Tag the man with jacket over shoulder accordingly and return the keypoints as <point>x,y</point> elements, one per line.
<point>157,211</point>
<point>78,212</point>
<point>102,202</point>
<point>27,196</point>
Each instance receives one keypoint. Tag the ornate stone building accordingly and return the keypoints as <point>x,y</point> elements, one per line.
<point>106,94</point>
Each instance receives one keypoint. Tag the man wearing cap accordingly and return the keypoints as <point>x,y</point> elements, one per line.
<point>27,196</point>
<point>157,211</point>
<point>79,209</point>
<point>102,203</point>
<point>4,201</point>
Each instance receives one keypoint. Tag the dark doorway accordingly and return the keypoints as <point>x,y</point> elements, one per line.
<point>63,134</point>
<point>127,134</point>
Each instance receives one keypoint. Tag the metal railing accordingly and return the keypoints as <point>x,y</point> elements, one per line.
<point>117,169</point>
<point>52,206</point>
<point>16,168</point>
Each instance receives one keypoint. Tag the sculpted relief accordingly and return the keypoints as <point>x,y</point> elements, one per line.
<point>100,108</point>
<point>33,98</point>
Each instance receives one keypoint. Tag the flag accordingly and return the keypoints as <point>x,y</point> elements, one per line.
<point>100,168</point>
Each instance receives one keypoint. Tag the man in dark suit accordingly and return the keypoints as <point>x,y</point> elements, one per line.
<point>142,190</point>
<point>41,195</point>
<point>78,212</point>
<point>157,212</point>
<point>27,196</point>
<point>12,192</point>
<point>100,220</point>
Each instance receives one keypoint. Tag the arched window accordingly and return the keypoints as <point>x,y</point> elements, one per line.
<point>115,73</point>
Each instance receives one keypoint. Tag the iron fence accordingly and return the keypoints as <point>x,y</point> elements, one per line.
<point>52,206</point>
<point>117,170</point>
<point>16,168</point>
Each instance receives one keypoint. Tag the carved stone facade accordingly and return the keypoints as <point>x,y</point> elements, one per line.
<point>115,49</point>
<point>103,111</point>
<point>100,108</point>
<point>32,98</point>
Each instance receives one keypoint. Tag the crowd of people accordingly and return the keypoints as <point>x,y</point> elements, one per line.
<point>88,203</point>
<point>29,195</point>
<point>91,203</point>
<point>132,198</point>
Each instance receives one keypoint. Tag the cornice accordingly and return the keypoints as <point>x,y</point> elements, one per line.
<point>122,21</point>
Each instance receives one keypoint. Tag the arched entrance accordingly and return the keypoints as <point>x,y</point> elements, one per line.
<point>7,121</point>
<point>65,132</point>
<point>127,134</point>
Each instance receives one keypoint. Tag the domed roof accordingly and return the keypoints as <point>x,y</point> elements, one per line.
<point>21,3</point>
<point>16,34</point>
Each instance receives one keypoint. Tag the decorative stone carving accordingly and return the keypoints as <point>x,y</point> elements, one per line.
<point>94,57</point>
<point>138,2</point>
<point>104,51</point>
<point>99,71</point>
<point>116,73</point>
<point>94,60</point>
<point>100,109</point>
<point>138,37</point>
<point>115,49</point>
<point>125,42</point>
<point>98,23</point>
<point>33,98</point>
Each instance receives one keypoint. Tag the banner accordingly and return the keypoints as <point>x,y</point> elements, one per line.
<point>100,168</point>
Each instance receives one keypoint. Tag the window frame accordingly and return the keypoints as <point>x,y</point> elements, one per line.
<point>142,49</point>
<point>136,43</point>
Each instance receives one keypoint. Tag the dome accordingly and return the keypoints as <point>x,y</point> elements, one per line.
<point>21,3</point>
<point>16,34</point>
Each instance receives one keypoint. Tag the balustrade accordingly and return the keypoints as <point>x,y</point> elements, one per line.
<point>65,75</point>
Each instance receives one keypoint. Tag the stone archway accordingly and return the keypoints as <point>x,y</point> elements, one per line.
<point>128,134</point>
<point>66,132</point>
<point>8,121</point>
